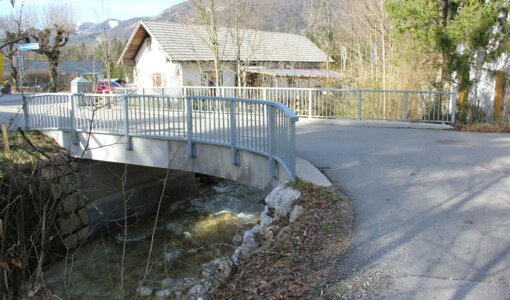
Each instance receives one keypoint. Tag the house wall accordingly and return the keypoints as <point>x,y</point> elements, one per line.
<point>192,74</point>
<point>484,89</point>
<point>176,74</point>
<point>154,61</point>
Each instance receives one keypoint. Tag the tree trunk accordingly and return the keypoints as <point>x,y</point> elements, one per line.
<point>14,74</point>
<point>53,75</point>
<point>499,95</point>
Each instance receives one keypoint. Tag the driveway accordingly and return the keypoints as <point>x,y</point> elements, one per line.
<point>432,210</point>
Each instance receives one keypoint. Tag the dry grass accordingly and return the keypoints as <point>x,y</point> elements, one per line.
<point>25,151</point>
<point>484,127</point>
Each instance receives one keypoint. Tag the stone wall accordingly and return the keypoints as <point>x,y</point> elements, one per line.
<point>71,212</point>
<point>91,195</point>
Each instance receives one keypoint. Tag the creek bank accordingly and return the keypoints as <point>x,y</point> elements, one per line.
<point>285,259</point>
<point>192,238</point>
<point>279,206</point>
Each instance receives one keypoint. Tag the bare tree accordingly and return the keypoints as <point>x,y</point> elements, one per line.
<point>13,29</point>
<point>53,34</point>
<point>238,36</point>
<point>207,12</point>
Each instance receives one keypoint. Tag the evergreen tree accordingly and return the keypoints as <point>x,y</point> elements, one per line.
<point>449,32</point>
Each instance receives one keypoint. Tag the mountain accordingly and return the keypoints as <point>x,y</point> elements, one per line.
<point>271,15</point>
<point>90,32</point>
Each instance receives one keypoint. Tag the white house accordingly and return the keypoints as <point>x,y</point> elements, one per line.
<point>491,89</point>
<point>166,54</point>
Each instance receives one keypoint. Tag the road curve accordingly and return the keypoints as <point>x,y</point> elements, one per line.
<point>432,210</point>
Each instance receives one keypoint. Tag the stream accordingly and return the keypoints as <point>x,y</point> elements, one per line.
<point>188,234</point>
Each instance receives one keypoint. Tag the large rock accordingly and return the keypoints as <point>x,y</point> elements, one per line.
<point>163,294</point>
<point>216,270</point>
<point>69,224</point>
<point>71,203</point>
<point>281,199</point>
<point>185,283</point>
<point>249,243</point>
<point>175,228</point>
<point>167,283</point>
<point>265,220</point>
<point>171,255</point>
<point>296,212</point>
<point>56,190</point>
<point>196,292</point>
<point>144,291</point>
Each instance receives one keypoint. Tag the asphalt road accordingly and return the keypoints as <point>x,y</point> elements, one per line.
<point>432,210</point>
<point>10,109</point>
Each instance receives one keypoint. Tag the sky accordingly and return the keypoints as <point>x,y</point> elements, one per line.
<point>99,10</point>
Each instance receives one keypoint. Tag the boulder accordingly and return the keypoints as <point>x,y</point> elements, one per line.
<point>249,243</point>
<point>237,239</point>
<point>296,212</point>
<point>165,293</point>
<point>167,283</point>
<point>196,292</point>
<point>216,270</point>
<point>175,228</point>
<point>144,291</point>
<point>265,220</point>
<point>281,199</point>
<point>171,255</point>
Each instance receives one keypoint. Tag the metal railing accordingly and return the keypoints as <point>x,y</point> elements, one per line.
<point>262,127</point>
<point>353,104</point>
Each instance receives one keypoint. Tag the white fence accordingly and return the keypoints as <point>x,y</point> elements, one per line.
<point>406,106</point>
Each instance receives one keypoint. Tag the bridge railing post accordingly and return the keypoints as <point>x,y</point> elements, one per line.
<point>72,117</point>
<point>358,117</point>
<point>406,105</point>
<point>129,142</point>
<point>292,148</point>
<point>236,160</point>
<point>454,107</point>
<point>310,103</point>
<point>190,149</point>
<point>271,122</point>
<point>26,115</point>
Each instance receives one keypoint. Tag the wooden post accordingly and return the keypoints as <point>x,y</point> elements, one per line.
<point>5,138</point>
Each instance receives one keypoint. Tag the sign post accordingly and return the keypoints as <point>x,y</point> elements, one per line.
<point>21,67</point>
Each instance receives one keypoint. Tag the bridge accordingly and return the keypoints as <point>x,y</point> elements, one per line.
<point>431,206</point>
<point>247,140</point>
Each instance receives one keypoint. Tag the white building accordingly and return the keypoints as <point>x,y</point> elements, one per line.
<point>166,54</point>
<point>491,89</point>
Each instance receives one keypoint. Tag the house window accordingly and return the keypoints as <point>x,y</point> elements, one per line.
<point>156,80</point>
<point>149,44</point>
<point>209,79</point>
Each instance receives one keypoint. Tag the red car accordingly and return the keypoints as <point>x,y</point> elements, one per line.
<point>106,86</point>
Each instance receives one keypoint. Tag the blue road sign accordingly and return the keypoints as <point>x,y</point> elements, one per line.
<point>26,47</point>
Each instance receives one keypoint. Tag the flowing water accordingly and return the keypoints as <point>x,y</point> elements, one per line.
<point>188,234</point>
